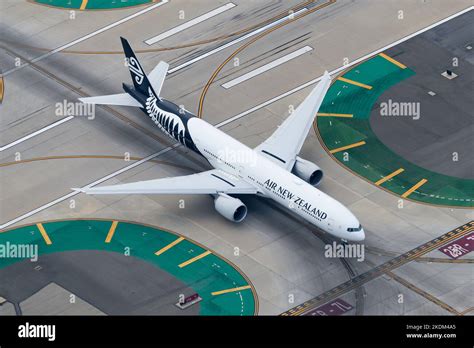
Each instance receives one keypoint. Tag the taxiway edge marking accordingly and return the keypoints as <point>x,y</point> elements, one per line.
<point>194,259</point>
<point>169,246</point>
<point>45,236</point>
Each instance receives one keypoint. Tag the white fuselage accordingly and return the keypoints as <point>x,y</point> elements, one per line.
<point>272,181</point>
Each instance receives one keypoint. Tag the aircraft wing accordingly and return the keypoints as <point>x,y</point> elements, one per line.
<point>209,182</point>
<point>285,143</point>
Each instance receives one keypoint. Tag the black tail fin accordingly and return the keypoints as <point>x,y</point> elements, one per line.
<point>140,80</point>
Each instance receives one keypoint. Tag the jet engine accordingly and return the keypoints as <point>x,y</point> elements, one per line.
<point>307,171</point>
<point>231,208</point>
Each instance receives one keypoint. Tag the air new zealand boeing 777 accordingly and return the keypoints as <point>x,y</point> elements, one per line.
<point>272,170</point>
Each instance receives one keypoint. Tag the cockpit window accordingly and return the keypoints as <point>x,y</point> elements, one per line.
<point>354,229</point>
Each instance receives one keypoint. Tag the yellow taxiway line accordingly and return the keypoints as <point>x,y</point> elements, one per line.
<point>393,61</point>
<point>111,232</point>
<point>169,246</point>
<point>44,234</point>
<point>215,293</point>
<point>388,177</point>
<point>360,143</point>
<point>414,187</point>
<point>194,259</point>
<point>83,5</point>
<point>334,115</point>
<point>352,82</point>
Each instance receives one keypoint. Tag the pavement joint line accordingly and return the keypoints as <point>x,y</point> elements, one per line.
<point>414,188</point>
<point>466,311</point>
<point>112,229</point>
<point>31,62</point>
<point>291,18</point>
<point>379,270</point>
<point>98,181</point>
<point>169,246</point>
<point>45,236</point>
<point>194,259</point>
<point>319,114</point>
<point>245,287</point>
<point>393,61</point>
<point>347,147</point>
<point>388,177</point>
<point>422,292</point>
<point>233,42</point>
<point>341,68</point>
<point>88,36</point>
<point>355,83</point>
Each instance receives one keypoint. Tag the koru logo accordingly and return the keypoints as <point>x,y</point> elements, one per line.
<point>134,67</point>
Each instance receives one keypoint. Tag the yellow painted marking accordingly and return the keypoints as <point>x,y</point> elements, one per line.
<point>352,82</point>
<point>360,143</point>
<point>391,60</point>
<point>388,177</point>
<point>334,115</point>
<point>111,232</point>
<point>44,234</point>
<point>417,185</point>
<point>215,293</point>
<point>169,246</point>
<point>83,5</point>
<point>194,259</point>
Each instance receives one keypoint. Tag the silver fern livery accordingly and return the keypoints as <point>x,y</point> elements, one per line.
<point>168,122</point>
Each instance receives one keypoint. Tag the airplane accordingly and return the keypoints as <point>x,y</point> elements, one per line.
<point>272,170</point>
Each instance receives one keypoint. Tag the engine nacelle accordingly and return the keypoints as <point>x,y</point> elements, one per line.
<point>307,171</point>
<point>231,208</point>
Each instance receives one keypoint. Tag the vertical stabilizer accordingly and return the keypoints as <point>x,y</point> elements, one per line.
<point>140,80</point>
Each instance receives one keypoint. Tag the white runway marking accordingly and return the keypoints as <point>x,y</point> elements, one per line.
<point>169,71</point>
<point>267,67</point>
<point>88,36</point>
<point>335,71</point>
<point>98,181</point>
<point>229,44</point>
<point>39,131</point>
<point>223,123</point>
<point>190,23</point>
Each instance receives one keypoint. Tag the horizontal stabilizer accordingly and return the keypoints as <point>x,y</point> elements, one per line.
<point>123,99</point>
<point>158,75</point>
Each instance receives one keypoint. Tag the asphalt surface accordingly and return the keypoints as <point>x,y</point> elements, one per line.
<point>446,121</point>
<point>111,282</point>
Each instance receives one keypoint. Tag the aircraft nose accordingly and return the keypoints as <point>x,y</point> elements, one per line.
<point>358,236</point>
